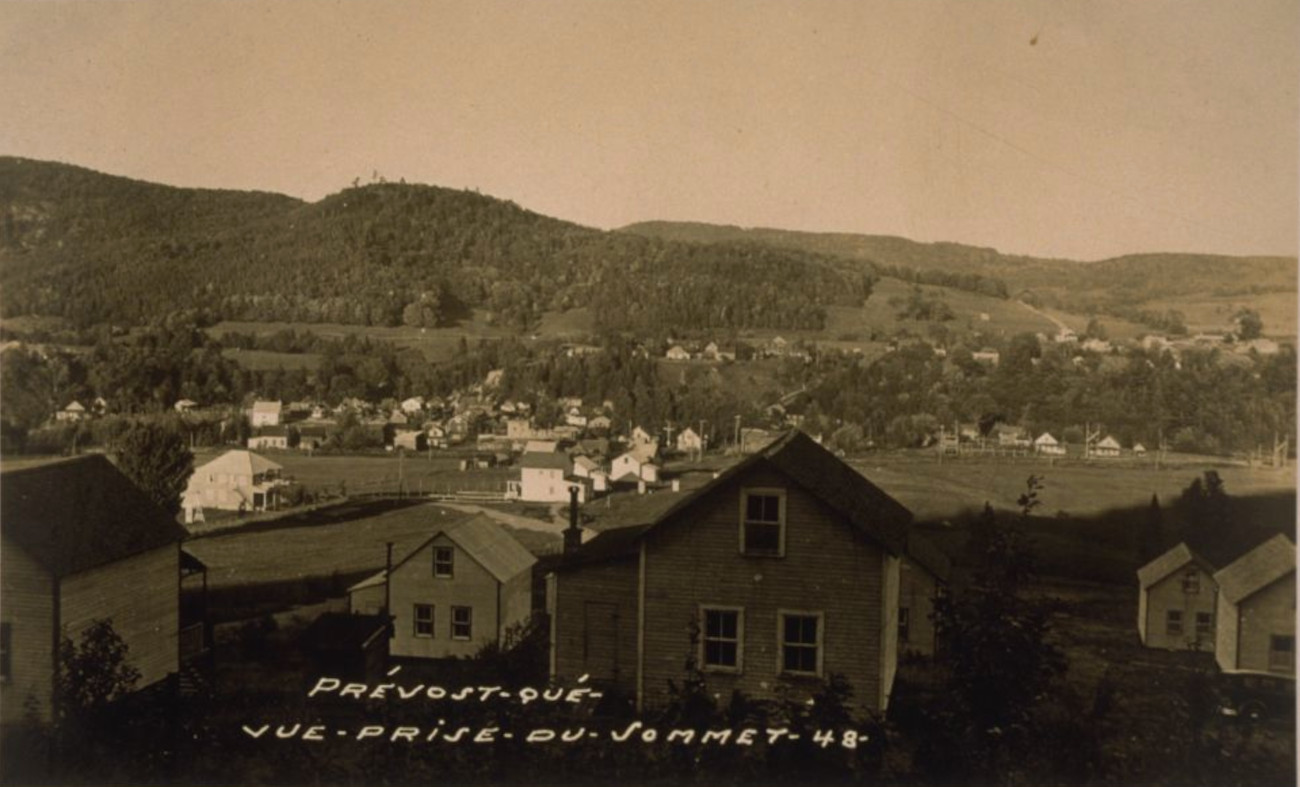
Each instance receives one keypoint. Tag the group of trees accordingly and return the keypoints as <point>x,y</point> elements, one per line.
<point>382,254</point>
<point>1198,404</point>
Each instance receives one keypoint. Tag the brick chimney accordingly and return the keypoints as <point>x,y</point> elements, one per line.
<point>573,533</point>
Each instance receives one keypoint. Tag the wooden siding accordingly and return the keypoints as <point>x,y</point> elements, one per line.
<point>1225,635</point>
<point>890,567</point>
<point>470,586</point>
<point>1269,612</point>
<point>27,591</point>
<point>1166,595</point>
<point>608,656</point>
<point>828,568</point>
<point>367,601</point>
<point>917,590</point>
<point>516,601</point>
<point>141,597</point>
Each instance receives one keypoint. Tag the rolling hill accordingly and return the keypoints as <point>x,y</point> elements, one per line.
<point>94,248</point>
<point>1122,286</point>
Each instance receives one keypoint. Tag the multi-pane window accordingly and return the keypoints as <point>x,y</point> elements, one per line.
<point>462,623</point>
<point>1204,625</point>
<point>801,643</point>
<point>1174,622</point>
<point>763,523</point>
<point>6,650</point>
<point>721,638</point>
<point>1281,653</point>
<point>424,620</point>
<point>443,562</point>
<point>904,625</point>
<point>1192,582</point>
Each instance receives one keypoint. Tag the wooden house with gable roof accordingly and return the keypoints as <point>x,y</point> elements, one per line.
<point>1256,611</point>
<point>79,543</point>
<point>458,591</point>
<point>781,571</point>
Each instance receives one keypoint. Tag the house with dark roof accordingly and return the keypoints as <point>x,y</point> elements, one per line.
<point>1256,611</point>
<point>781,571</point>
<point>461,589</point>
<point>79,543</point>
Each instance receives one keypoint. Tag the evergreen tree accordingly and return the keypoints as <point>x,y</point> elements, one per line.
<point>156,458</point>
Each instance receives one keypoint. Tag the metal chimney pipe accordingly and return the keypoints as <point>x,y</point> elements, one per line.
<point>572,534</point>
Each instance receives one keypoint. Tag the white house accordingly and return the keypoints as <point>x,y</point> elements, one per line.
<point>413,405</point>
<point>587,467</point>
<point>638,464</point>
<point>1046,444</point>
<point>677,353</point>
<point>1108,447</point>
<point>545,478</point>
<point>185,405</point>
<point>641,437</point>
<point>276,437</point>
<point>463,588</point>
<point>987,355</point>
<point>264,414</point>
<point>235,481</point>
<point>74,412</point>
<point>689,441</point>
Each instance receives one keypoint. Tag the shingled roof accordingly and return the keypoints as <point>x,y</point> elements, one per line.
<point>1257,569</point>
<point>866,507</point>
<point>486,541</point>
<point>77,514</point>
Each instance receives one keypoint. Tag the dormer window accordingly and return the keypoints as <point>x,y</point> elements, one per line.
<point>762,525</point>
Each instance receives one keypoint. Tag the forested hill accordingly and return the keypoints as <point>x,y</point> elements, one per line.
<point>1076,286</point>
<point>94,248</point>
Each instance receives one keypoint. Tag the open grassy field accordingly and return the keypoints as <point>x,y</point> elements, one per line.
<point>342,540</point>
<point>1211,314</point>
<point>937,491</point>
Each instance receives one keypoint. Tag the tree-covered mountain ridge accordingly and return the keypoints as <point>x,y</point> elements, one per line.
<point>95,248</point>
<point>1130,278</point>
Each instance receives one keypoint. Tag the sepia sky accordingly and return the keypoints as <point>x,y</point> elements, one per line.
<point>1078,129</point>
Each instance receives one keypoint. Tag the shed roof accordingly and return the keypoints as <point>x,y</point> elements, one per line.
<point>80,513</point>
<point>1257,569</point>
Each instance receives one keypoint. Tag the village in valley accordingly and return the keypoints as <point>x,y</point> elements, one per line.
<point>652,393</point>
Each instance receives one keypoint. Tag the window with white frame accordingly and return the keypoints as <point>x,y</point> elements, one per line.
<point>1174,622</point>
<point>462,623</point>
<point>721,638</point>
<point>801,643</point>
<point>444,562</point>
<point>424,620</point>
<point>762,529</point>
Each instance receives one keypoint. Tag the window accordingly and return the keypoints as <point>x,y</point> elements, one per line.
<point>801,637</point>
<point>443,562</point>
<point>424,620</point>
<point>1191,582</point>
<point>1204,625</point>
<point>1174,622</point>
<point>1281,653</point>
<point>462,622</point>
<point>762,522</point>
<point>721,638</point>
<point>6,650</point>
<point>904,625</point>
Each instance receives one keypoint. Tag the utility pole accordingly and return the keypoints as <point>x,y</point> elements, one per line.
<point>738,447</point>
